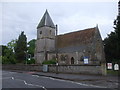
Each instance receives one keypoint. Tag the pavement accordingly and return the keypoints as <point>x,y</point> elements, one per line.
<point>99,80</point>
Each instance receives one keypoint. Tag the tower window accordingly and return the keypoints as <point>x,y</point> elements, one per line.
<point>50,31</point>
<point>40,32</point>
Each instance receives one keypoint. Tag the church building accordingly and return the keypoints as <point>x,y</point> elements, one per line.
<point>73,48</point>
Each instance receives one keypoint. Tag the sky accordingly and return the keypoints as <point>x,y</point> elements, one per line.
<point>69,16</point>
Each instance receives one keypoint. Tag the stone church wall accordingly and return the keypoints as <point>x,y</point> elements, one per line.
<point>40,57</point>
<point>65,58</point>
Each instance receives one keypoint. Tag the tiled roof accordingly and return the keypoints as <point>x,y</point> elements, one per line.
<point>75,39</point>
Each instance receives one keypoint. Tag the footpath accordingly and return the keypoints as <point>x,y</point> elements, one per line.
<point>98,80</point>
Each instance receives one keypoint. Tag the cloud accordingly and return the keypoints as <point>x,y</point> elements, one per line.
<point>74,16</point>
<point>79,23</point>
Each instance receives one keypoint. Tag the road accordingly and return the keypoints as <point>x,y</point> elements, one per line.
<point>27,80</point>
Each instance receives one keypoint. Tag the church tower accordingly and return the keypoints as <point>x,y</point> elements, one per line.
<point>45,38</point>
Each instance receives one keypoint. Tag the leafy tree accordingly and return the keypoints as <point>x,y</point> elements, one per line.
<point>31,61</point>
<point>111,47</point>
<point>31,47</point>
<point>8,56</point>
<point>3,47</point>
<point>12,44</point>
<point>117,32</point>
<point>112,43</point>
<point>21,48</point>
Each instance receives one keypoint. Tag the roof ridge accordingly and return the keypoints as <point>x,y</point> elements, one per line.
<point>77,31</point>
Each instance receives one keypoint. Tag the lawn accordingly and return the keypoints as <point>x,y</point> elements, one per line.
<point>112,72</point>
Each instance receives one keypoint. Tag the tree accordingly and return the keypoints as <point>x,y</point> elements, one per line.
<point>8,56</point>
<point>112,42</point>
<point>117,32</point>
<point>3,47</point>
<point>21,48</point>
<point>31,48</point>
<point>12,44</point>
<point>111,47</point>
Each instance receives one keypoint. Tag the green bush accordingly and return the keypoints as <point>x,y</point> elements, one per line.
<point>52,61</point>
<point>31,61</point>
<point>8,57</point>
<point>8,60</point>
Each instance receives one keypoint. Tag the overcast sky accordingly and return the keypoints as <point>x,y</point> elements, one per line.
<point>69,16</point>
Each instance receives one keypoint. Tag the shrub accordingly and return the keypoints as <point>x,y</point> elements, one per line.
<point>52,61</point>
<point>31,61</point>
<point>10,60</point>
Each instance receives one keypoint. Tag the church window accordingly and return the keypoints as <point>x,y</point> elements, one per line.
<point>40,32</point>
<point>62,58</point>
<point>72,60</point>
<point>66,57</point>
<point>50,31</point>
<point>81,58</point>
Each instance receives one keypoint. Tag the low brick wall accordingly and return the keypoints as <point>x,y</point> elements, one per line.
<point>23,67</point>
<point>75,69</point>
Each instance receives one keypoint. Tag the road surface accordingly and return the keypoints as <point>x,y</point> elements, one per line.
<point>27,80</point>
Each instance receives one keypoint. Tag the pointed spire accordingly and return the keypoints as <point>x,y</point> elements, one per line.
<point>46,21</point>
<point>96,26</point>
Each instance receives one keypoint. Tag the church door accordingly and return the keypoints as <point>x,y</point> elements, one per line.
<point>72,60</point>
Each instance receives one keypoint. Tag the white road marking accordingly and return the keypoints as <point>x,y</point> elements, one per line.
<point>6,73</point>
<point>35,75</point>
<point>29,83</point>
<point>12,78</point>
<point>12,72</point>
<point>25,82</point>
<point>76,82</point>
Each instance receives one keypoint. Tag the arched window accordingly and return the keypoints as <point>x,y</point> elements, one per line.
<point>72,60</point>
<point>40,32</point>
<point>81,58</point>
<point>62,58</point>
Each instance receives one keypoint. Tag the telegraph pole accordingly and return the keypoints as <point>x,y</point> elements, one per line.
<point>56,49</point>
